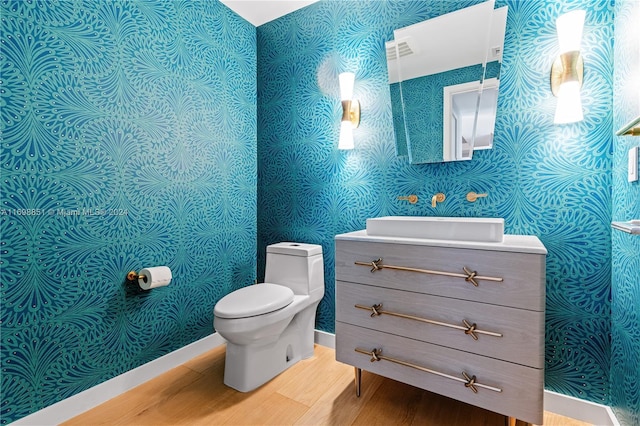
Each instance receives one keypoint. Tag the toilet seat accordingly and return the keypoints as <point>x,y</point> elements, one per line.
<point>253,300</point>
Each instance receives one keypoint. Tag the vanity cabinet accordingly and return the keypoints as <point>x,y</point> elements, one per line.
<point>461,319</point>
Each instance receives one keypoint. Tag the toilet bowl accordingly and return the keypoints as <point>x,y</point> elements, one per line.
<point>270,326</point>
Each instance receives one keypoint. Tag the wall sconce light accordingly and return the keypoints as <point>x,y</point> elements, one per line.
<point>350,110</point>
<point>568,69</point>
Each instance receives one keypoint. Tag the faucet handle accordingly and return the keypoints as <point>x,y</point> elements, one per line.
<point>472,196</point>
<point>438,198</point>
<point>412,199</point>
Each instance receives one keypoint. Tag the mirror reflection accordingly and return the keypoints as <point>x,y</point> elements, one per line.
<point>444,83</point>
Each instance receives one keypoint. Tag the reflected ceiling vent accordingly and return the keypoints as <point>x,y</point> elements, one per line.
<point>404,48</point>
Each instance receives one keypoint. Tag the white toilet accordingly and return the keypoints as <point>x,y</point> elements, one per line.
<point>270,326</point>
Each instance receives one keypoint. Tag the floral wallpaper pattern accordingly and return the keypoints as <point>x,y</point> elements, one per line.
<point>545,180</point>
<point>128,141</point>
<point>625,291</point>
<point>424,125</point>
<point>423,99</point>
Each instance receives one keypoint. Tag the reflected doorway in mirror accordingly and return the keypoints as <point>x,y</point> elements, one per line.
<point>464,129</point>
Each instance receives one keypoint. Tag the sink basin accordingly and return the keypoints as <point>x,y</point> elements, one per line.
<point>488,230</point>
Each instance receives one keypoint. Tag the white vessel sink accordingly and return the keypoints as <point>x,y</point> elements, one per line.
<point>488,230</point>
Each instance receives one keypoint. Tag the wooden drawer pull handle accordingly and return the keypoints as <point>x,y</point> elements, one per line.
<point>470,329</point>
<point>469,276</point>
<point>469,382</point>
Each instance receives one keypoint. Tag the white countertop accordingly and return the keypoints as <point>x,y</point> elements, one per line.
<point>512,243</point>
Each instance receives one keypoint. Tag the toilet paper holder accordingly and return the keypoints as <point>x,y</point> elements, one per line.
<point>133,276</point>
<point>148,278</point>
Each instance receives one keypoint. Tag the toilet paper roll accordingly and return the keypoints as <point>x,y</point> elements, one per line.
<point>158,276</point>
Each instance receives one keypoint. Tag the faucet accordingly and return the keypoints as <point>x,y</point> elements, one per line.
<point>438,198</point>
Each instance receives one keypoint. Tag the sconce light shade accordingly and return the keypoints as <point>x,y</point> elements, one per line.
<point>569,108</point>
<point>568,69</point>
<point>569,27</point>
<point>346,135</point>
<point>347,80</point>
<point>350,110</point>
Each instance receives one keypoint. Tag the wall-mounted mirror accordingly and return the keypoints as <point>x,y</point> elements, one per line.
<point>444,83</point>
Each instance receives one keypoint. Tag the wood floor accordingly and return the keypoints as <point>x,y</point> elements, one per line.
<point>315,391</point>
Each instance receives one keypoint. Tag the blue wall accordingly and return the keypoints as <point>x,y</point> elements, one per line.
<point>145,112</point>
<point>545,180</point>
<point>423,99</point>
<point>150,109</point>
<point>625,293</point>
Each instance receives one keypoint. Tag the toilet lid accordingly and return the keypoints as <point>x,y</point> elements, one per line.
<point>253,300</point>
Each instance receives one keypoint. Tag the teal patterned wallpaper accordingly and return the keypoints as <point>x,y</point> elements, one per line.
<point>128,141</point>
<point>423,99</point>
<point>146,112</point>
<point>545,180</point>
<point>625,291</point>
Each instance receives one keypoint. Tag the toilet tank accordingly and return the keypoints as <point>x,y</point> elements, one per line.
<point>298,266</point>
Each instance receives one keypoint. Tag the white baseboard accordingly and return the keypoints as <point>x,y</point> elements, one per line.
<point>92,397</point>
<point>568,406</point>
<point>325,339</point>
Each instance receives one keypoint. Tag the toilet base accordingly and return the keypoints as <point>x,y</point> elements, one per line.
<point>248,367</point>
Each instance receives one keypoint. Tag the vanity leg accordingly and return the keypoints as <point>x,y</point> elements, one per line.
<point>358,380</point>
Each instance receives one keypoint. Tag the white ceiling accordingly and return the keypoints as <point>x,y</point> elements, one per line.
<point>260,12</point>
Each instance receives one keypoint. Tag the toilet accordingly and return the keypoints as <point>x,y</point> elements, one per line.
<point>270,326</point>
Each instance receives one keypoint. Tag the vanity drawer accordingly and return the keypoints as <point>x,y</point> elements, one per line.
<point>522,274</point>
<point>520,388</point>
<point>522,331</point>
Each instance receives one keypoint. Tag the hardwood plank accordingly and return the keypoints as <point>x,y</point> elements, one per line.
<point>393,403</point>
<point>226,405</point>
<point>194,394</point>
<point>437,410</point>
<point>130,404</point>
<point>274,410</point>
<point>320,376</point>
<point>551,419</point>
<point>204,400</point>
<point>340,405</point>
<point>207,360</point>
